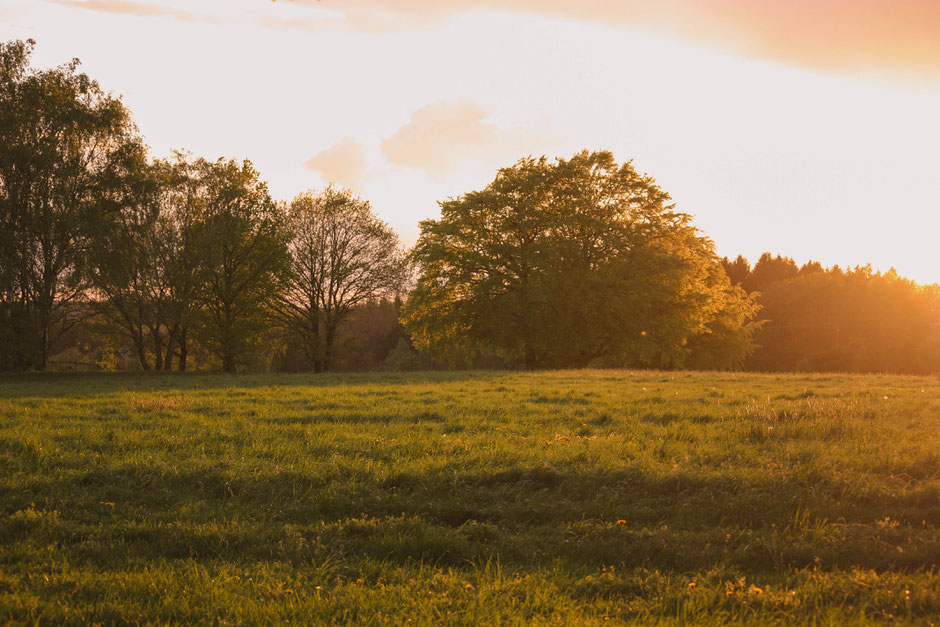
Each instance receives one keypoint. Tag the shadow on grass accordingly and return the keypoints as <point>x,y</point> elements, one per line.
<point>84,385</point>
<point>523,516</point>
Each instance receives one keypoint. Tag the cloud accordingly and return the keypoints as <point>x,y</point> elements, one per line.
<point>897,37</point>
<point>141,9</point>
<point>344,163</point>
<point>442,136</point>
<point>299,17</point>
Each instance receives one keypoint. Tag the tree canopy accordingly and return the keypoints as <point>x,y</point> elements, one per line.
<point>66,145</point>
<point>246,259</point>
<point>566,262</point>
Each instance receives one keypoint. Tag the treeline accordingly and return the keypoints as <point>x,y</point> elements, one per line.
<point>832,319</point>
<point>176,259</point>
<point>112,259</point>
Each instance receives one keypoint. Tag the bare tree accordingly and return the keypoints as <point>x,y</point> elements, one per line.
<point>341,256</point>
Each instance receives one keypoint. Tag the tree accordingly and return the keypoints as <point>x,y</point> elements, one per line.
<point>66,146</point>
<point>770,269</point>
<point>148,266</point>
<point>245,258</point>
<point>810,267</point>
<point>184,251</point>
<point>125,276</point>
<point>563,263</point>
<point>341,256</point>
<point>738,270</point>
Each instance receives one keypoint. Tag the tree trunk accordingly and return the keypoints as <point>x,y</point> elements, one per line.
<point>184,350</point>
<point>529,358</point>
<point>44,349</point>
<point>309,326</point>
<point>142,355</point>
<point>328,347</point>
<point>228,339</point>
<point>228,361</point>
<point>170,349</point>
<point>157,349</point>
<point>316,352</point>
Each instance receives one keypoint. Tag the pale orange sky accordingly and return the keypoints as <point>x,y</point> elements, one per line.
<point>804,127</point>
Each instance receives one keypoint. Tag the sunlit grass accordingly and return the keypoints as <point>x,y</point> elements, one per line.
<point>470,497</point>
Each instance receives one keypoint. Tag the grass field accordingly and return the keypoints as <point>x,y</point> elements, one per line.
<point>501,498</point>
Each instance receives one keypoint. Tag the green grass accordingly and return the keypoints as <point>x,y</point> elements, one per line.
<point>502,498</point>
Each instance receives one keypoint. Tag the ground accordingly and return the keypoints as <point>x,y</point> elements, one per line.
<point>580,497</point>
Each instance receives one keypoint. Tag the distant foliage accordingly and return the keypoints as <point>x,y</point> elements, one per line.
<point>569,262</point>
<point>364,341</point>
<point>818,319</point>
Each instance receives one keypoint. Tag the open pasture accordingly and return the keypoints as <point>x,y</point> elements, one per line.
<point>582,497</point>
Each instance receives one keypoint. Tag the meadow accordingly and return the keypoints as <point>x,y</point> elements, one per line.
<point>574,497</point>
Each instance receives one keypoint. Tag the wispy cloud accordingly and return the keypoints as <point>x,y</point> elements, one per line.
<point>442,136</point>
<point>142,9</point>
<point>298,17</point>
<point>344,162</point>
<point>892,36</point>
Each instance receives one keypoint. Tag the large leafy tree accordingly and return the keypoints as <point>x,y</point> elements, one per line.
<point>245,259</point>
<point>561,263</point>
<point>66,145</point>
<point>341,256</point>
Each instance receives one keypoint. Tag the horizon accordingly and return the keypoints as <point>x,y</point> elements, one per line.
<point>771,133</point>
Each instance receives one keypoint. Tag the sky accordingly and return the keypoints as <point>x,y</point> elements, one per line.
<point>809,128</point>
